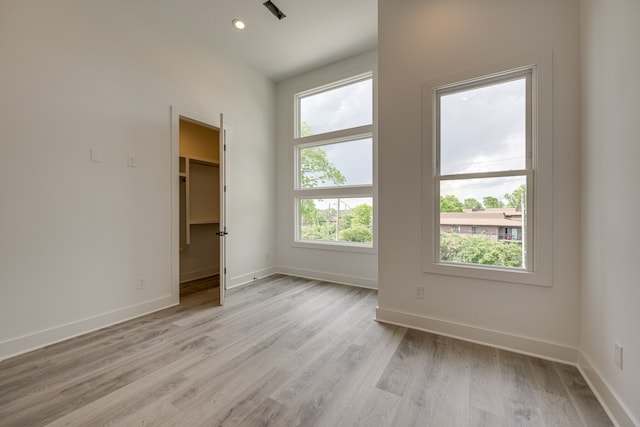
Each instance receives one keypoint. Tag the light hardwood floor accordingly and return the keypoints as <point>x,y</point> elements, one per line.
<point>285,352</point>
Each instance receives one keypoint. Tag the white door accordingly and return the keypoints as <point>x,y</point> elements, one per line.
<point>223,223</point>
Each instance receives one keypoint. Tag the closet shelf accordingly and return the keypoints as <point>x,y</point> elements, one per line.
<point>204,221</point>
<point>204,161</point>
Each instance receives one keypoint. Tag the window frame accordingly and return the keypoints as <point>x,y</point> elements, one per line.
<point>526,73</point>
<point>333,192</point>
<point>537,172</point>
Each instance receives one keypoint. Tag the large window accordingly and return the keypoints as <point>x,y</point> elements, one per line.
<point>483,170</point>
<point>334,176</point>
<point>489,197</point>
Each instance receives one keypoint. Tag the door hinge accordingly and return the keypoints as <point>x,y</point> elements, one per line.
<point>225,270</point>
<point>225,188</point>
<point>224,147</point>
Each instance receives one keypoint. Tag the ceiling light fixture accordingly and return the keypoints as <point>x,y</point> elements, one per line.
<point>274,9</point>
<point>238,23</point>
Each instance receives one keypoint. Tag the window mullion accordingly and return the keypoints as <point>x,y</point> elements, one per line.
<point>336,136</point>
<point>477,175</point>
<point>332,192</point>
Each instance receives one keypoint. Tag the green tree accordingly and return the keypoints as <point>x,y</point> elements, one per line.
<point>479,249</point>
<point>309,213</point>
<point>315,168</point>
<point>472,204</point>
<point>516,199</point>
<point>305,130</point>
<point>355,224</point>
<point>450,203</point>
<point>492,202</point>
<point>362,214</point>
<point>356,233</point>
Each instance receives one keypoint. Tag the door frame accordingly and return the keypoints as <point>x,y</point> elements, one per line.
<point>216,122</point>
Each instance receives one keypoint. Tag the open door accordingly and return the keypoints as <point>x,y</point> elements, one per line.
<point>198,197</point>
<point>223,224</point>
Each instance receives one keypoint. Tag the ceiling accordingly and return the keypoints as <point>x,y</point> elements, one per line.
<point>313,34</point>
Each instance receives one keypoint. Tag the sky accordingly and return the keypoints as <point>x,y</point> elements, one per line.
<point>340,108</point>
<point>354,159</point>
<point>483,130</point>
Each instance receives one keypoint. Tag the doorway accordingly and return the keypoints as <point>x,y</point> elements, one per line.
<point>201,230</point>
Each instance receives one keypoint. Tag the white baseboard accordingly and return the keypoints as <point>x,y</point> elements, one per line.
<point>329,277</point>
<point>26,343</point>
<point>249,277</point>
<point>198,274</point>
<point>616,409</point>
<point>528,346</point>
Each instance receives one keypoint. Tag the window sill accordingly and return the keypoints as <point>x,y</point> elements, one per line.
<point>335,247</point>
<point>490,273</point>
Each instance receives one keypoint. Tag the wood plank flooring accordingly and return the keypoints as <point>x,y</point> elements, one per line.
<point>285,352</point>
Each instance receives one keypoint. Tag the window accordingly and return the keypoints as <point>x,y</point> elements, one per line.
<point>482,144</point>
<point>334,177</point>
<point>489,159</point>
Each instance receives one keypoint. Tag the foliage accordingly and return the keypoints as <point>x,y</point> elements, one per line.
<point>316,168</point>
<point>352,225</point>
<point>357,233</point>
<point>517,198</point>
<point>450,203</point>
<point>472,204</point>
<point>479,249</point>
<point>355,224</point>
<point>305,130</point>
<point>492,202</point>
<point>309,212</point>
<point>361,214</point>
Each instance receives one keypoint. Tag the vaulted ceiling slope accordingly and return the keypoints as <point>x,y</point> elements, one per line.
<point>314,33</point>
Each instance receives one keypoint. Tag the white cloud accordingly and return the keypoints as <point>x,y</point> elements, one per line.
<point>340,108</point>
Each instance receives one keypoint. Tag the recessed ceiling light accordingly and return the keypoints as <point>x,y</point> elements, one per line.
<point>238,23</point>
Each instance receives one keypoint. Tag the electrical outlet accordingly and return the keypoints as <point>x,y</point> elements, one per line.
<point>617,354</point>
<point>141,284</point>
<point>131,161</point>
<point>419,292</point>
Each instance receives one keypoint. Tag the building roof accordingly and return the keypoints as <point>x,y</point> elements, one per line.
<point>495,217</point>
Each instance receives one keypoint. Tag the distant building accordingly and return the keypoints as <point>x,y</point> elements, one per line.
<point>499,224</point>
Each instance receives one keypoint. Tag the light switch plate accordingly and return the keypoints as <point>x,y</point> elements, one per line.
<point>96,155</point>
<point>617,355</point>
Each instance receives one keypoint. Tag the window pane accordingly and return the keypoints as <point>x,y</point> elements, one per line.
<point>482,221</point>
<point>483,129</point>
<point>347,220</point>
<point>339,164</point>
<point>337,109</point>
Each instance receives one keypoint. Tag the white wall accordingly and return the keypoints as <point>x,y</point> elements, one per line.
<point>430,40</point>
<point>75,235</point>
<point>610,203</point>
<point>359,269</point>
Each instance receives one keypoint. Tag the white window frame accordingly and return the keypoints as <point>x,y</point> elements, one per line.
<point>538,172</point>
<point>333,192</point>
